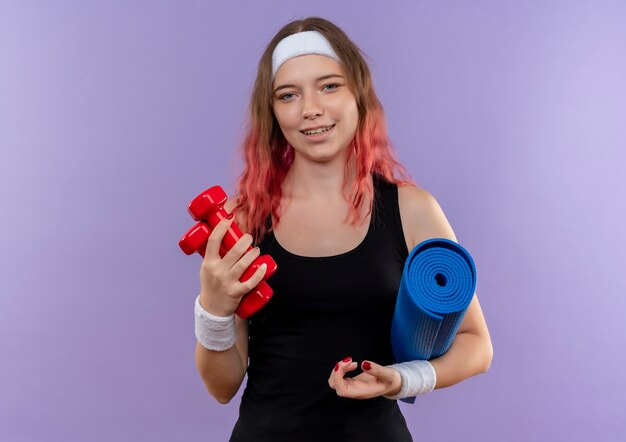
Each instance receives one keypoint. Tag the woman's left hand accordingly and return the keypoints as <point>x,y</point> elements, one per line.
<point>375,380</point>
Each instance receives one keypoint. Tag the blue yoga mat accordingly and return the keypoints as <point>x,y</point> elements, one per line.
<point>437,286</point>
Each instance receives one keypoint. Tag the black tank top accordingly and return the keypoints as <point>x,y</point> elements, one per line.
<point>324,309</point>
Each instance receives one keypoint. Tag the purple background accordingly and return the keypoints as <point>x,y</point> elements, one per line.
<point>113,115</point>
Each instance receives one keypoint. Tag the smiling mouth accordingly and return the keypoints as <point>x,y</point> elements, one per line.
<point>317,131</point>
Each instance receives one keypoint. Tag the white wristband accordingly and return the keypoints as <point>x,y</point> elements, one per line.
<point>214,332</point>
<point>418,377</point>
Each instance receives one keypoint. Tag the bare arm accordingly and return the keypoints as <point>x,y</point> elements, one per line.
<point>223,371</point>
<point>470,353</point>
<point>471,350</point>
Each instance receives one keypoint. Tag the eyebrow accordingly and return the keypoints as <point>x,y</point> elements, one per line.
<point>324,77</point>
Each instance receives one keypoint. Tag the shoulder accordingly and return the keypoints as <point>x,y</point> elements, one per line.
<point>422,216</point>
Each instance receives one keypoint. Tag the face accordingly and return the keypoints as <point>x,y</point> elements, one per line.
<point>315,108</point>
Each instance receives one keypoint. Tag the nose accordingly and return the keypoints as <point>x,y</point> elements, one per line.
<point>311,106</point>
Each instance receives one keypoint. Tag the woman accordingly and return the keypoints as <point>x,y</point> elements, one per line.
<point>323,195</point>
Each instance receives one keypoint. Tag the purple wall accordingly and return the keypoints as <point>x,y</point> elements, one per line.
<point>113,115</point>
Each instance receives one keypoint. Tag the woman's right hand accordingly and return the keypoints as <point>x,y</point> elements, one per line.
<point>221,291</point>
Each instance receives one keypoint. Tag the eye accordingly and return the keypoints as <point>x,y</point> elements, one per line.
<point>331,86</point>
<point>286,97</point>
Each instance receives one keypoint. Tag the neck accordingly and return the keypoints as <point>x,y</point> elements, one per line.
<point>307,179</point>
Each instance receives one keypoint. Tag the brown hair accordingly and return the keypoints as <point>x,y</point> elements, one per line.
<point>267,155</point>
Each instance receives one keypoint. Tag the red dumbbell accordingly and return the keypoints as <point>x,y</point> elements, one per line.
<point>208,209</point>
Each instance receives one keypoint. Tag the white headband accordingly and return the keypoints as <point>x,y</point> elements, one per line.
<point>302,43</point>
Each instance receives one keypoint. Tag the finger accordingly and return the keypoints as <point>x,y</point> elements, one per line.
<point>245,262</point>
<point>255,279</point>
<point>337,372</point>
<point>341,368</point>
<point>334,378</point>
<point>384,374</point>
<point>350,367</point>
<point>388,377</point>
<point>237,251</point>
<point>215,238</point>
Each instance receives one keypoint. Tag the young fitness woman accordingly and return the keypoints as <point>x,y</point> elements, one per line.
<point>322,193</point>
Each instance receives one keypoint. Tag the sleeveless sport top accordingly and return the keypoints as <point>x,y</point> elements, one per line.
<point>324,309</point>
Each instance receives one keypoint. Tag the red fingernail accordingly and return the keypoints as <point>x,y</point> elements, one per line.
<point>347,359</point>
<point>337,366</point>
<point>230,215</point>
<point>366,365</point>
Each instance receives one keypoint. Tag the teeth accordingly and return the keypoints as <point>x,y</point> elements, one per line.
<point>318,131</point>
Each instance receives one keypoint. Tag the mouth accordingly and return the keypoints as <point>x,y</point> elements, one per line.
<point>318,131</point>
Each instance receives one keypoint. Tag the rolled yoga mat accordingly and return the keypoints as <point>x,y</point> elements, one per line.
<point>437,286</point>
